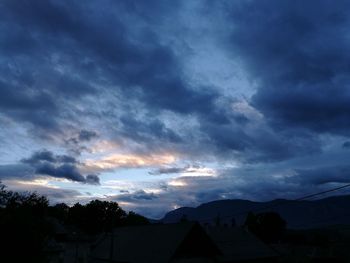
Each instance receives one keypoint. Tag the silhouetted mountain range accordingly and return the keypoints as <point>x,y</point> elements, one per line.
<point>298,214</point>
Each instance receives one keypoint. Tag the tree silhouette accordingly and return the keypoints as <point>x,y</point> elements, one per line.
<point>96,216</point>
<point>24,229</point>
<point>269,226</point>
<point>133,219</point>
<point>59,211</point>
<point>4,195</point>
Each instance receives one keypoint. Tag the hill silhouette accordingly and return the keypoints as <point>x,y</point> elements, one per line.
<point>298,214</point>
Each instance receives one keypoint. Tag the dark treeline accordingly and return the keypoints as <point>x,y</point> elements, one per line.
<point>28,222</point>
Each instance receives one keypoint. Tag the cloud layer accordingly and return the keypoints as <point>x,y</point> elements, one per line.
<point>229,99</point>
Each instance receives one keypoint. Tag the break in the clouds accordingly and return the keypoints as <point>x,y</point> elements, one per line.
<point>182,101</point>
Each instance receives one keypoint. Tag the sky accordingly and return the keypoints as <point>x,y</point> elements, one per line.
<point>162,104</point>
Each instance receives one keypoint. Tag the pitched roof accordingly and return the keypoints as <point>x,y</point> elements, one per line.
<point>237,244</point>
<point>152,243</point>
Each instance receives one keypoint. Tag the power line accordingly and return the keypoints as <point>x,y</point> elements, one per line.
<point>323,192</point>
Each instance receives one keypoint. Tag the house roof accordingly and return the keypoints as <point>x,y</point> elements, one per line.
<point>237,244</point>
<point>152,243</point>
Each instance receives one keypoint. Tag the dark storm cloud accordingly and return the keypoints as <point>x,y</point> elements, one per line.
<point>66,159</point>
<point>299,53</point>
<point>175,170</point>
<point>324,175</point>
<point>86,135</point>
<point>138,195</point>
<point>77,143</point>
<point>147,131</point>
<point>75,50</point>
<point>49,157</point>
<point>346,145</point>
<point>16,171</point>
<point>61,171</point>
<point>25,104</point>
<point>41,156</point>
<point>60,166</point>
<point>92,179</point>
<point>259,143</point>
<point>169,170</point>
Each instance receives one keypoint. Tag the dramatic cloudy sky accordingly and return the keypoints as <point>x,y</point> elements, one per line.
<point>162,104</point>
